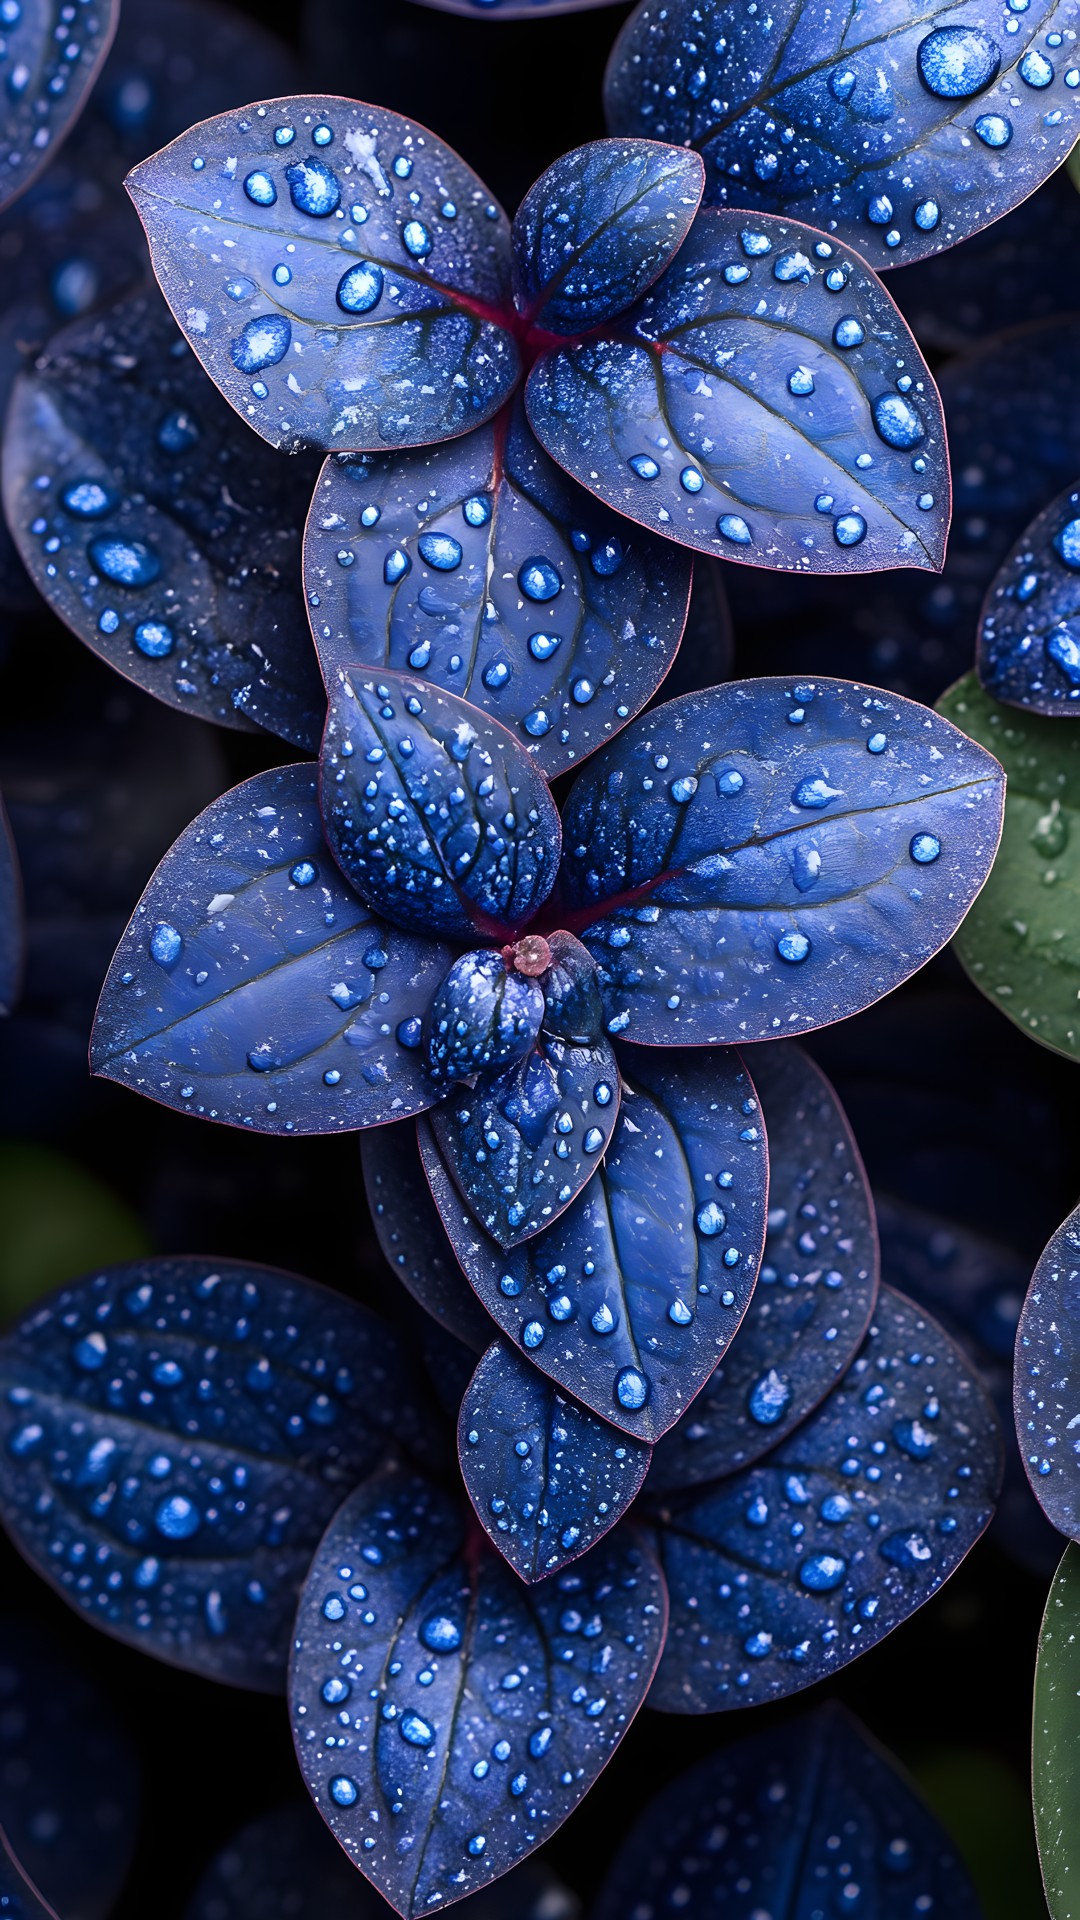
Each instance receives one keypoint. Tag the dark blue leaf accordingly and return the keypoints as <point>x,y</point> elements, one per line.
<point>783,1573</point>
<point>18,1899</point>
<point>175,1436</point>
<point>253,987</point>
<point>752,406</point>
<point>763,859</point>
<point>521,1141</point>
<point>547,1478</point>
<point>11,918</point>
<point>413,1238</point>
<point>1047,1343</point>
<point>482,566</point>
<point>433,811</point>
<point>69,1780</point>
<point>815,1292</point>
<point>598,227</point>
<point>904,133</point>
<point>631,1297</point>
<point>359,300</point>
<point>157,528</point>
<point>806,1818</point>
<point>50,55</point>
<point>1029,637</point>
<point>478,1711</point>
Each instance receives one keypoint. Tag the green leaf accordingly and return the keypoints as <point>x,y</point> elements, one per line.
<point>1020,941</point>
<point>1055,1756</point>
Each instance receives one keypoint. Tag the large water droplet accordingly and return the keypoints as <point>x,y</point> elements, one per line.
<point>314,188</point>
<point>262,343</point>
<point>770,1398</point>
<point>896,421</point>
<point>956,62</point>
<point>360,288</point>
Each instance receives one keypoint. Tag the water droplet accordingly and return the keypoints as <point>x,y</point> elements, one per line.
<point>1067,544</point>
<point>360,288</point>
<point>603,1320</point>
<point>815,792</point>
<point>822,1572</point>
<point>877,743</point>
<point>710,1219</point>
<point>1035,69</point>
<point>538,579</point>
<point>396,565</point>
<point>260,188</point>
<point>690,480</point>
<point>848,332</point>
<point>924,848</point>
<point>532,1334</point>
<point>414,1729</point>
<point>416,239</point>
<point>631,1389</point>
<point>87,499</point>
<point>440,1633</point>
<point>645,467</point>
<point>154,639</point>
<point>129,563</point>
<point>956,62</point>
<point>441,551</point>
<point>842,83</point>
<point>793,947</point>
<point>165,944</point>
<point>770,1397</point>
<point>343,1791</point>
<point>849,529</point>
<point>801,382</point>
<point>314,188</point>
<point>926,215</point>
<point>262,343</point>
<point>679,1313</point>
<point>993,129</point>
<point>896,421</point>
<point>734,528</point>
<point>177,1517</point>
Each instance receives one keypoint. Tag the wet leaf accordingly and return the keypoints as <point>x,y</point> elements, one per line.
<point>783,1573</point>
<point>455,831</point>
<point>530,1691</point>
<point>598,227</point>
<point>381,327</point>
<point>514,587</point>
<point>1029,637</point>
<point>902,131</point>
<point>1020,942</point>
<point>750,406</point>
<point>547,1477</point>
<point>50,55</point>
<point>815,1292</point>
<point>413,1238</point>
<point>253,987</point>
<point>760,860</point>
<point>1047,1357</point>
<point>630,1298</point>
<point>157,528</point>
<point>11,918</point>
<point>780,1799</point>
<point>176,1434</point>
<point>1055,1759</point>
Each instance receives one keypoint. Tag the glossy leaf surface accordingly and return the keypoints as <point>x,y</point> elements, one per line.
<point>775,857</point>
<point>903,131</point>
<point>491,1755</point>
<point>69,1776</point>
<point>630,1298</point>
<point>1055,1758</point>
<point>481,565</point>
<point>547,1477</point>
<point>1029,637</point>
<point>783,1573</point>
<point>1020,943</point>
<point>598,227</point>
<point>154,525</point>
<point>11,918</point>
<point>433,811</point>
<point>176,1434</point>
<point>815,1292</point>
<point>253,987</point>
<point>780,1799</point>
<point>50,54</point>
<point>1047,1379</point>
<point>413,1238</point>
<point>381,327</point>
<point>751,406</point>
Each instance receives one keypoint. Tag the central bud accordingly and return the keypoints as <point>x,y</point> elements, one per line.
<point>531,956</point>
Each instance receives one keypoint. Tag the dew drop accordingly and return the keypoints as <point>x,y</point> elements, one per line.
<point>360,288</point>
<point>956,62</point>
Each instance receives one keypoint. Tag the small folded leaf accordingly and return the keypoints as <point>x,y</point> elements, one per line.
<point>51,53</point>
<point>151,522</point>
<point>1020,943</point>
<point>176,1434</point>
<point>630,1298</point>
<point>815,1292</point>
<point>754,1831</point>
<point>1055,1756</point>
<point>783,1573</point>
<point>253,987</point>
<point>902,133</point>
<point>1029,637</point>
<point>547,1478</point>
<point>522,1695</point>
<point>481,565</point>
<point>432,810</point>
<point>339,272</point>
<point>11,918</point>
<point>1047,1366</point>
<point>483,1015</point>
<point>762,859</point>
<point>598,227</point>
<point>413,1238</point>
<point>753,406</point>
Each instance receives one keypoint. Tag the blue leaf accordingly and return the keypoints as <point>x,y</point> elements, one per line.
<point>11,918</point>
<point>480,1711</point>
<point>762,860</point>
<point>433,811</point>
<point>547,1478</point>
<point>174,1436</point>
<point>901,134</point>
<point>359,302</point>
<point>69,1776</point>
<point>152,523</point>
<point>1029,637</point>
<point>780,1799</point>
<point>50,56</point>
<point>513,587</point>
<point>1047,1344</point>
<point>413,1238</point>
<point>253,987</point>
<point>750,406</point>
<point>815,1292</point>
<point>598,227</point>
<point>783,1573</point>
<point>522,1140</point>
<point>628,1301</point>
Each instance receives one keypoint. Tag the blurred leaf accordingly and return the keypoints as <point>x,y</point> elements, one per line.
<point>1055,1758</point>
<point>56,1220</point>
